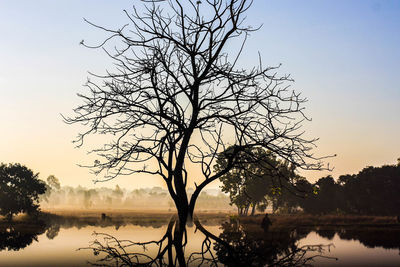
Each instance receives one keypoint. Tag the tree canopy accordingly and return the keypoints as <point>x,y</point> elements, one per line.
<point>259,179</point>
<point>178,96</point>
<point>373,191</point>
<point>256,174</point>
<point>19,189</point>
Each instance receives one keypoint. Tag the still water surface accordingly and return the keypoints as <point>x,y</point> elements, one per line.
<point>57,245</point>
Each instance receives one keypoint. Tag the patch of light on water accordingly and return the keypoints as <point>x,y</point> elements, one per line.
<point>351,252</point>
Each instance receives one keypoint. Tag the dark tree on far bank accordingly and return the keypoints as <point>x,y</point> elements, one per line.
<point>178,97</point>
<point>19,190</point>
<point>373,191</point>
<point>258,178</point>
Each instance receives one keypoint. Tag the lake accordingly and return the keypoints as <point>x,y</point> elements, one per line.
<point>56,243</point>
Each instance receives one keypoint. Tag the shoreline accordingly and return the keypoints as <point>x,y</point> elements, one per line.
<point>209,217</point>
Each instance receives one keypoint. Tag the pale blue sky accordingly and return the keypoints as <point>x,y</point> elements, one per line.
<point>343,54</point>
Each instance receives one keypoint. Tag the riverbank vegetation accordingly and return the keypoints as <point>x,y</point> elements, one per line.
<point>20,189</point>
<point>271,183</point>
<point>123,217</point>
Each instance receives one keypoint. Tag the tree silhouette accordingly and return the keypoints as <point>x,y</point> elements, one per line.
<point>255,174</point>
<point>373,191</point>
<point>53,182</point>
<point>53,186</point>
<point>177,98</point>
<point>19,190</point>
<point>259,179</point>
<point>328,198</point>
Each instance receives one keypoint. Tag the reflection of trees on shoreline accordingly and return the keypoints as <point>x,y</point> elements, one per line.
<point>374,237</point>
<point>115,252</point>
<point>241,245</point>
<point>53,231</point>
<point>369,237</point>
<point>16,237</point>
<point>167,251</point>
<point>245,244</point>
<point>235,246</point>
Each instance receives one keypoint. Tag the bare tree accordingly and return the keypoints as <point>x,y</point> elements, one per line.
<point>176,98</point>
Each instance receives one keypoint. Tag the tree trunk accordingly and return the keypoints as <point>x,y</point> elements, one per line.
<point>181,201</point>
<point>183,210</point>
<point>178,242</point>
<point>253,209</point>
<point>274,207</point>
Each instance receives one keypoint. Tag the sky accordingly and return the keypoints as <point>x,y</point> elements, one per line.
<point>343,54</point>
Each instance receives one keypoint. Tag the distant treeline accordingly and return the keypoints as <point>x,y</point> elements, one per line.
<point>373,191</point>
<point>67,197</point>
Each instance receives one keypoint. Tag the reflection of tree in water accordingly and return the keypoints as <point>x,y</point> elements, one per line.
<point>375,237</point>
<point>16,237</point>
<point>248,246</point>
<point>53,231</point>
<point>371,237</point>
<point>114,252</point>
<point>235,246</point>
<point>326,233</point>
<point>19,235</point>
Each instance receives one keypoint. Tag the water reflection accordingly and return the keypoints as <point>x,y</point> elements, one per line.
<point>242,245</point>
<point>236,245</point>
<point>370,237</point>
<point>229,244</point>
<point>16,237</point>
<point>115,252</point>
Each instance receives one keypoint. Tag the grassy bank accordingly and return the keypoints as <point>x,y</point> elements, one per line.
<point>79,218</point>
<point>82,218</point>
